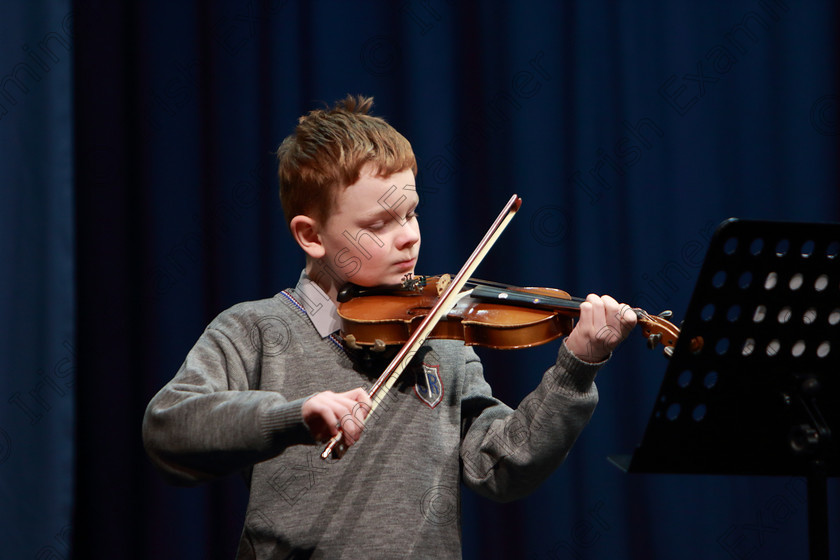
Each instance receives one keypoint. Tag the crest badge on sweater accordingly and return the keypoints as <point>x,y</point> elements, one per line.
<point>429,386</point>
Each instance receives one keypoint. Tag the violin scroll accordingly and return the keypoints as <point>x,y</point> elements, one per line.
<point>658,330</point>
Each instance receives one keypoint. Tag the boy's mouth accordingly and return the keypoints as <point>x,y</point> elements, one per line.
<point>406,265</point>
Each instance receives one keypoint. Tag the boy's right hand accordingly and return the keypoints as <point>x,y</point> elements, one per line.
<point>324,412</point>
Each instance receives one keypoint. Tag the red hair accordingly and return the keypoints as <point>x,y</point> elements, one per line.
<point>328,150</point>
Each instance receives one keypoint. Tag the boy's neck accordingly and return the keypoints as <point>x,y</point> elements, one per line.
<point>318,273</point>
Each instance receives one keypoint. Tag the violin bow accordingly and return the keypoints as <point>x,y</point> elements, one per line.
<point>447,300</point>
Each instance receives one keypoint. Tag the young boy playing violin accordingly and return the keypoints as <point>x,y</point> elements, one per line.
<point>269,380</point>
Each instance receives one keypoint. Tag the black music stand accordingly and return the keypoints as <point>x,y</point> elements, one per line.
<point>760,397</point>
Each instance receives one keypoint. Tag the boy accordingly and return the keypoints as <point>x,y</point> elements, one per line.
<point>268,380</point>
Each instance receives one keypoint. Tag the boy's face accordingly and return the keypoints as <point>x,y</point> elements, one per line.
<point>372,236</point>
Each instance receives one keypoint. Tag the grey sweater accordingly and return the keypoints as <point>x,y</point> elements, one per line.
<point>235,406</point>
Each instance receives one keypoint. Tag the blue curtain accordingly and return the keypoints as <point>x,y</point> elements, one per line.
<point>630,130</point>
<point>38,344</point>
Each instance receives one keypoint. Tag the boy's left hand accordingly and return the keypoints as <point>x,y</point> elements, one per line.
<point>603,324</point>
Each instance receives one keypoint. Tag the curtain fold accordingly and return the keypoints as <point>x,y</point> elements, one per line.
<point>37,243</point>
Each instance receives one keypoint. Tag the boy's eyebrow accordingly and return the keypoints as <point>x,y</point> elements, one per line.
<point>381,213</point>
<point>409,203</point>
<point>376,213</point>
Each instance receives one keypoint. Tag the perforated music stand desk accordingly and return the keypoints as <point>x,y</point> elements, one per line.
<point>762,396</point>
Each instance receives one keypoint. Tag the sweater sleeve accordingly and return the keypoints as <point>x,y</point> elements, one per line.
<point>507,453</point>
<point>208,421</point>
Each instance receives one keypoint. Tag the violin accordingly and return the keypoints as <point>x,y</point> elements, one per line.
<point>488,314</point>
<point>425,309</point>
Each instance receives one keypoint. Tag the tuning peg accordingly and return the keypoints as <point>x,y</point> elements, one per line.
<point>668,351</point>
<point>653,340</point>
<point>666,314</point>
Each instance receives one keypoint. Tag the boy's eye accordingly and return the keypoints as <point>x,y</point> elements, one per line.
<point>380,224</point>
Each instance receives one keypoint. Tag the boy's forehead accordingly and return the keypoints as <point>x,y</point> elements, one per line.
<point>372,193</point>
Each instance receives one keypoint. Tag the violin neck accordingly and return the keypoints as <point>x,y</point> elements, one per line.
<point>507,295</point>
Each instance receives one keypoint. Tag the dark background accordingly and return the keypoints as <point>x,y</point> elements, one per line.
<point>139,200</point>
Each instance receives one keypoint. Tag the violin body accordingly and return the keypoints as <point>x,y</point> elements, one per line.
<point>390,318</point>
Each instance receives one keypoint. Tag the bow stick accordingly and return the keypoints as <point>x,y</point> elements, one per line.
<point>446,302</point>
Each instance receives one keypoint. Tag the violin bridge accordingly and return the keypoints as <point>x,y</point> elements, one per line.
<point>443,283</point>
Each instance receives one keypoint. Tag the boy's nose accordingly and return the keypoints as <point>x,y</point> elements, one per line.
<point>409,235</point>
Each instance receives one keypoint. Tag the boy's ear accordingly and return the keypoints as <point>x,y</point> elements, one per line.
<point>305,231</point>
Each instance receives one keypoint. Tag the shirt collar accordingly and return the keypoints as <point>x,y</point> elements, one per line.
<point>318,306</point>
